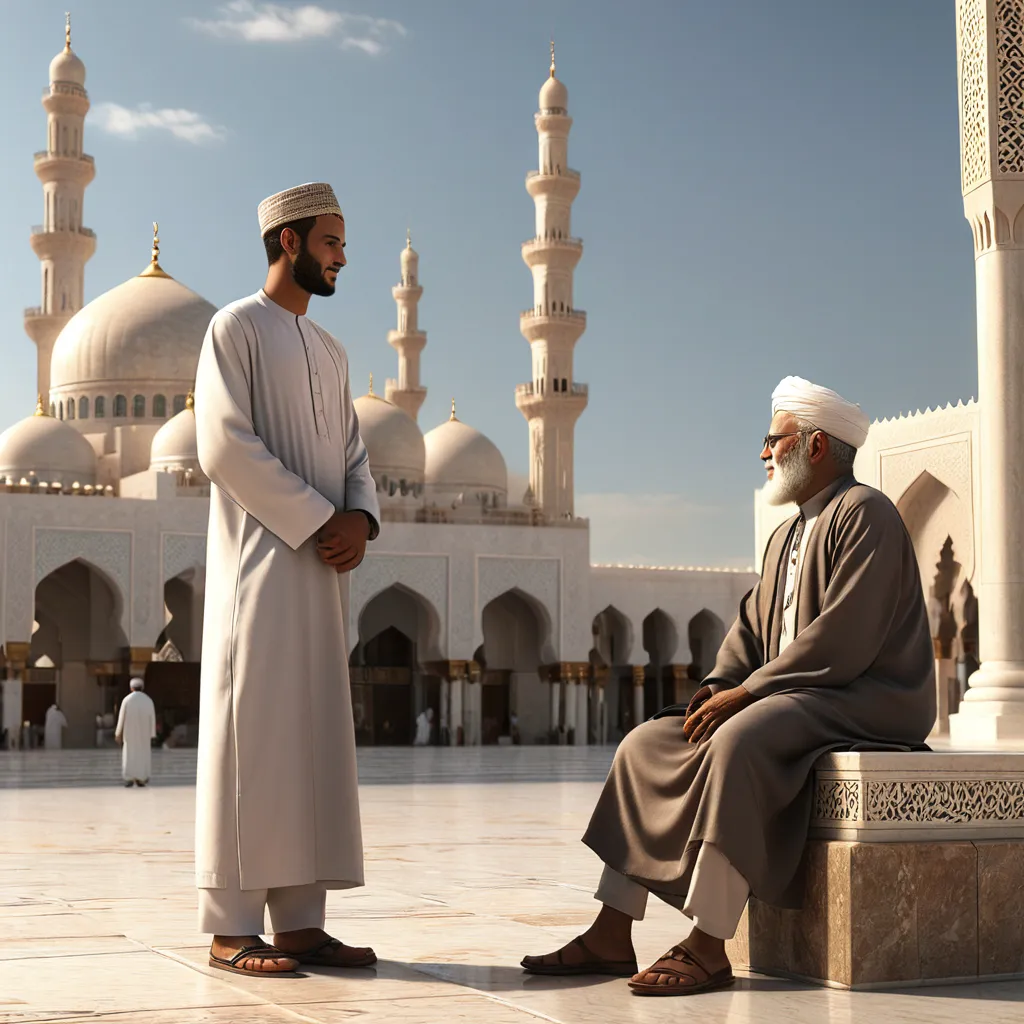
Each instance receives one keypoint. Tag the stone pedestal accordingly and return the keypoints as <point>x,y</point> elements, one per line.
<point>914,874</point>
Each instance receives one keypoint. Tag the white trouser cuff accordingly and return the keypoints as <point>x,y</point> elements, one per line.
<point>622,894</point>
<point>241,911</point>
<point>718,893</point>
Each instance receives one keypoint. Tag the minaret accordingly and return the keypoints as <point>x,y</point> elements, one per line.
<point>552,401</point>
<point>989,41</point>
<point>61,243</point>
<point>408,340</point>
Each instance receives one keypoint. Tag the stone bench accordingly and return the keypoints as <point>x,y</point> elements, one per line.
<point>914,875</point>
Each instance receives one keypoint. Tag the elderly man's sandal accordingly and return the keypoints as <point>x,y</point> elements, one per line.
<point>592,965</point>
<point>683,982</point>
<point>264,952</point>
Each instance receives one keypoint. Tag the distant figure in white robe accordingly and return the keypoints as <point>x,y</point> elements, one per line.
<point>54,728</point>
<point>424,723</point>
<point>292,506</point>
<point>136,729</point>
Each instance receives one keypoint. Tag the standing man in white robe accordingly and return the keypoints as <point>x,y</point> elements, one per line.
<point>136,730</point>
<point>54,727</point>
<point>292,506</point>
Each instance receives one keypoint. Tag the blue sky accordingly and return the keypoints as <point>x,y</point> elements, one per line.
<point>768,188</point>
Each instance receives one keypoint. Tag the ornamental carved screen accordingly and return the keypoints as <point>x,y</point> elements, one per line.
<point>1010,70</point>
<point>970,32</point>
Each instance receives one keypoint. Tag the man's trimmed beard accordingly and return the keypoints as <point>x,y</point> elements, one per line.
<point>792,474</point>
<point>309,275</point>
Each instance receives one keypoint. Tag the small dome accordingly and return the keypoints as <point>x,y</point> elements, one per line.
<point>393,441</point>
<point>174,444</point>
<point>67,67</point>
<point>461,459</point>
<point>554,95</point>
<point>49,449</point>
<point>148,330</point>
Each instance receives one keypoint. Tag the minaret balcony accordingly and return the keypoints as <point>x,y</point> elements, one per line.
<point>67,243</point>
<point>533,400</point>
<point>563,253</point>
<point>564,183</point>
<point>78,168</point>
<point>566,326</point>
<point>408,341</point>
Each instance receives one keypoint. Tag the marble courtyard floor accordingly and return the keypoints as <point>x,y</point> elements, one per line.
<point>473,858</point>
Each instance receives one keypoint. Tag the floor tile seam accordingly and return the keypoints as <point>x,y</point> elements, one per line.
<point>487,995</point>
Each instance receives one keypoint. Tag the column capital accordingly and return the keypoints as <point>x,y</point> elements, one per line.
<point>639,674</point>
<point>16,654</point>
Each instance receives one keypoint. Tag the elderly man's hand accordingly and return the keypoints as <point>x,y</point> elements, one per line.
<point>701,723</point>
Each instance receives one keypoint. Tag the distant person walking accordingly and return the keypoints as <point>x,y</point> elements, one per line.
<point>136,729</point>
<point>54,728</point>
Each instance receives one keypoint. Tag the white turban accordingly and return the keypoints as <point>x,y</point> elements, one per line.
<point>822,407</point>
<point>136,683</point>
<point>314,199</point>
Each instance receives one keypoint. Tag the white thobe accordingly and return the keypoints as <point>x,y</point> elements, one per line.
<point>136,728</point>
<point>423,724</point>
<point>276,795</point>
<point>53,729</point>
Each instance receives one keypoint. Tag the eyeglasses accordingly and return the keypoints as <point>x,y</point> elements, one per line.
<point>771,440</point>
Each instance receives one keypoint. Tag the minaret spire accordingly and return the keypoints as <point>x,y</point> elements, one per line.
<point>552,401</point>
<point>408,340</point>
<point>62,244</point>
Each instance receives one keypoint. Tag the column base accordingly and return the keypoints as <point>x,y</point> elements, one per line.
<point>986,723</point>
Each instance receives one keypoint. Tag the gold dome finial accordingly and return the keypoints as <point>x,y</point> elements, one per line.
<point>370,392</point>
<point>453,416</point>
<point>552,58</point>
<point>154,269</point>
<point>40,411</point>
<point>67,31</point>
<point>408,238</point>
<point>190,401</point>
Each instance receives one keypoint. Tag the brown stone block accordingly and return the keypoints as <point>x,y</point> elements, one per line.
<point>946,898</point>
<point>1000,907</point>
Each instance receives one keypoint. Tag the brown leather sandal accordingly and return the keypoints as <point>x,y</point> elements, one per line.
<point>261,952</point>
<point>686,983</point>
<point>592,965</point>
<point>324,955</point>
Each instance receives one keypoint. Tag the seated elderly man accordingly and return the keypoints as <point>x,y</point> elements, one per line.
<point>707,804</point>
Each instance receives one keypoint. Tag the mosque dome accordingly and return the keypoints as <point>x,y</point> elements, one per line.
<point>148,330</point>
<point>461,459</point>
<point>553,94</point>
<point>393,440</point>
<point>66,66</point>
<point>174,444</point>
<point>48,449</point>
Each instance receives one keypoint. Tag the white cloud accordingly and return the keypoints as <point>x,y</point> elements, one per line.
<point>283,23</point>
<point>131,122</point>
<point>667,529</point>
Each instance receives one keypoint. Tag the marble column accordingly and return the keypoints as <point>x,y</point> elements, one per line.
<point>638,694</point>
<point>583,707</point>
<point>571,695</point>
<point>556,702</point>
<point>443,716</point>
<point>992,177</point>
<point>13,694</point>
<point>456,713</point>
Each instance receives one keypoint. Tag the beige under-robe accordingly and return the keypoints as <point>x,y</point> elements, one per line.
<point>858,674</point>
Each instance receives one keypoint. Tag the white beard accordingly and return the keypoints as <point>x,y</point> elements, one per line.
<point>790,477</point>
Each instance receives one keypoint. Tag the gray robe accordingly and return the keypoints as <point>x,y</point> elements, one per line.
<point>859,673</point>
<point>277,434</point>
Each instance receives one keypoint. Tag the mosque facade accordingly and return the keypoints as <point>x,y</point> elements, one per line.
<point>479,603</point>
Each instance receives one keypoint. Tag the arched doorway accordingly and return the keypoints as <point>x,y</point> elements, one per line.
<point>78,611</point>
<point>172,678</point>
<point>612,714</point>
<point>515,634</point>
<point>398,632</point>
<point>660,639</point>
<point>705,633</point>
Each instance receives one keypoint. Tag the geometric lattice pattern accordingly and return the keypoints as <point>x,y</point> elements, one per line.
<point>837,800</point>
<point>1010,79</point>
<point>974,153</point>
